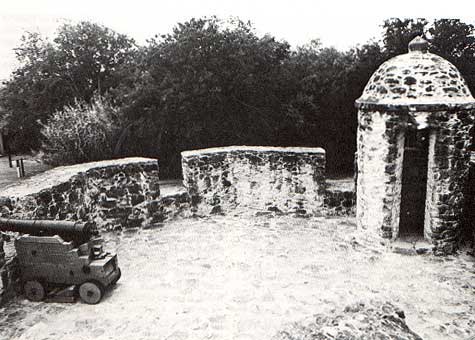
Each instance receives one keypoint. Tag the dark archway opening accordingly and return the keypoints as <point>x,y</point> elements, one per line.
<point>414,183</point>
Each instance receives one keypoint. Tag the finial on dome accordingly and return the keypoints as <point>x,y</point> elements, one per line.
<point>418,44</point>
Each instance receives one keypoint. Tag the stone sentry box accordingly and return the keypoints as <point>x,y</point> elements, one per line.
<point>414,122</point>
<point>287,180</point>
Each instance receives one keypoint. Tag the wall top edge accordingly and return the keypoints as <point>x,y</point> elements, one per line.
<point>245,148</point>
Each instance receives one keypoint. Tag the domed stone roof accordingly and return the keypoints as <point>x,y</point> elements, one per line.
<point>417,79</point>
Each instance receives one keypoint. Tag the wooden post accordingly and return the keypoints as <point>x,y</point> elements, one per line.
<point>2,145</point>
<point>18,168</point>
<point>22,167</point>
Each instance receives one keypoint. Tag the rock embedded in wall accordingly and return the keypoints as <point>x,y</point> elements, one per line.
<point>266,179</point>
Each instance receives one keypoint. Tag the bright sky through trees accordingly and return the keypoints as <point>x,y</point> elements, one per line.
<point>335,22</point>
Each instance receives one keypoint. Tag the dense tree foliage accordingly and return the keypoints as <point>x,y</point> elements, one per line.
<point>213,83</point>
<point>397,33</point>
<point>83,59</point>
<point>455,41</point>
<point>205,85</point>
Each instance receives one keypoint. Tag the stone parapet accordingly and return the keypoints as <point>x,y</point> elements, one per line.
<point>113,194</point>
<point>340,202</point>
<point>271,179</point>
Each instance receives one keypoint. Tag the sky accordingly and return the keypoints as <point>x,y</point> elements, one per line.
<point>342,24</point>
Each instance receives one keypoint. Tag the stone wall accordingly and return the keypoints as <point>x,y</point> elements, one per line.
<point>468,231</point>
<point>340,197</point>
<point>268,179</point>
<point>449,169</point>
<point>380,146</point>
<point>114,194</point>
<point>431,176</point>
<point>340,202</point>
<point>380,159</point>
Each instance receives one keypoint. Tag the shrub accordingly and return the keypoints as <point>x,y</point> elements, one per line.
<point>81,132</point>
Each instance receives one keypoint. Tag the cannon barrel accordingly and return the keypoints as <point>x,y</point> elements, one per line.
<point>68,230</point>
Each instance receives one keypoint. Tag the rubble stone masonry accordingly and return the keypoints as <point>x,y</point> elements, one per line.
<point>121,193</point>
<point>447,178</point>
<point>380,159</point>
<point>268,179</point>
<point>380,151</point>
<point>417,90</point>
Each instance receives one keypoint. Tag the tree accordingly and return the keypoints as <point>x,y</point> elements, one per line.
<point>83,59</point>
<point>399,32</point>
<point>210,83</point>
<point>455,41</point>
<point>326,82</point>
<point>213,83</point>
<point>93,58</point>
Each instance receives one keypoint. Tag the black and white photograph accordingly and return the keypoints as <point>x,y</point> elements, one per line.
<point>237,170</point>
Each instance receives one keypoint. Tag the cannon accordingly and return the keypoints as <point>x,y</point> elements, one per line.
<point>78,232</point>
<point>59,254</point>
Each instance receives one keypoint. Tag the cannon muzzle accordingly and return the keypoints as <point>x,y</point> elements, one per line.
<point>79,232</point>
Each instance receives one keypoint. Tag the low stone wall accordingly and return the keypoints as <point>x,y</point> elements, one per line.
<point>113,194</point>
<point>340,202</point>
<point>171,205</point>
<point>269,179</point>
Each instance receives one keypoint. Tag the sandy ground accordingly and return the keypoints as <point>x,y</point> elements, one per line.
<point>245,278</point>
<point>342,184</point>
<point>8,176</point>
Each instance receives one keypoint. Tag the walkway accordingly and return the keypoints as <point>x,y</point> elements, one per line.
<point>246,278</point>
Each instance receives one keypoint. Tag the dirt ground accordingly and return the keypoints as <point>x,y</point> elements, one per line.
<point>238,277</point>
<point>8,176</point>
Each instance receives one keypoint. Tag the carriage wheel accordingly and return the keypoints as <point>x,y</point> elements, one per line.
<point>91,292</point>
<point>34,290</point>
